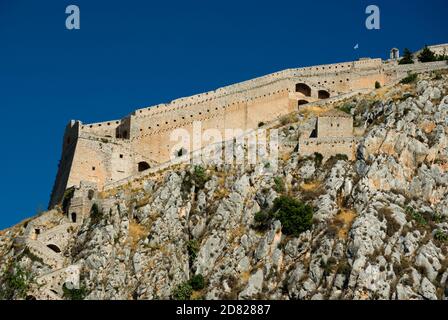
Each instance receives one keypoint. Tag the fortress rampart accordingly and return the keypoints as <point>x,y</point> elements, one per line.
<point>110,151</point>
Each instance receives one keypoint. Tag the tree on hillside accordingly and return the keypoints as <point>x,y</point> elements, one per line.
<point>427,55</point>
<point>407,57</point>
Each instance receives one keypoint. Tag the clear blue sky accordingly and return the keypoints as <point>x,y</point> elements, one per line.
<point>131,54</point>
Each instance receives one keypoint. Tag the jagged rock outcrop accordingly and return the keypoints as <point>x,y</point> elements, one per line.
<point>380,223</point>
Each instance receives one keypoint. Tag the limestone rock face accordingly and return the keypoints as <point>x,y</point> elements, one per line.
<point>380,226</point>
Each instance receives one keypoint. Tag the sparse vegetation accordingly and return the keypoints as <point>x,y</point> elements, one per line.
<point>15,283</point>
<point>407,57</point>
<point>347,108</point>
<point>416,216</point>
<point>441,236</point>
<point>427,55</point>
<point>198,178</point>
<point>279,185</point>
<point>411,78</point>
<point>193,249</point>
<point>75,294</point>
<point>197,282</point>
<point>287,119</point>
<point>185,291</point>
<point>262,220</point>
<point>182,292</point>
<point>392,225</point>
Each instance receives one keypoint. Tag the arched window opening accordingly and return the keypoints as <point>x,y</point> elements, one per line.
<point>55,248</point>
<point>143,166</point>
<point>304,89</point>
<point>73,217</point>
<point>323,94</point>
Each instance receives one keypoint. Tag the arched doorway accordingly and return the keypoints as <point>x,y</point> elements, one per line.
<point>73,217</point>
<point>54,247</point>
<point>301,103</point>
<point>303,89</point>
<point>143,166</point>
<point>323,94</point>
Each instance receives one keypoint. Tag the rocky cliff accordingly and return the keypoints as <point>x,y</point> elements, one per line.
<point>379,226</point>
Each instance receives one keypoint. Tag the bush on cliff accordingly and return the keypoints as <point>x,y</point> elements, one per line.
<point>411,78</point>
<point>427,55</point>
<point>295,216</point>
<point>15,283</point>
<point>407,57</point>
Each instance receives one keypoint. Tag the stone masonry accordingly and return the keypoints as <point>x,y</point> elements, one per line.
<point>107,152</point>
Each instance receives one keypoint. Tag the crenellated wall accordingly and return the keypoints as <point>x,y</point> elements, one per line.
<point>111,151</point>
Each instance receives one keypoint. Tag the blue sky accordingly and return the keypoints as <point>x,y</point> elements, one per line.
<point>131,54</point>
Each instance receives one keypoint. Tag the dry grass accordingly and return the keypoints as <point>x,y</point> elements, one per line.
<point>245,276</point>
<point>286,156</point>
<point>196,295</point>
<point>311,190</point>
<point>311,186</point>
<point>136,233</point>
<point>312,111</point>
<point>428,126</point>
<point>345,218</point>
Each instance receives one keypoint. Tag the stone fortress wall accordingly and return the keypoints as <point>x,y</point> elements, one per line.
<point>105,152</point>
<point>333,135</point>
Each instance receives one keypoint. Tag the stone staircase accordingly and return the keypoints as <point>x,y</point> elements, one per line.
<point>47,255</point>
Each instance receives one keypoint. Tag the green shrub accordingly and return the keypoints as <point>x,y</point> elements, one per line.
<point>279,185</point>
<point>347,108</point>
<point>407,57</point>
<point>427,55</point>
<point>416,216</point>
<point>199,177</point>
<point>377,85</point>
<point>197,282</point>
<point>193,249</point>
<point>182,292</point>
<point>411,78</point>
<point>262,220</point>
<point>74,294</point>
<point>15,283</point>
<point>295,216</point>
<point>441,236</point>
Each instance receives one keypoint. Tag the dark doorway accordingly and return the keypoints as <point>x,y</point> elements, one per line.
<point>73,216</point>
<point>304,89</point>
<point>323,94</point>
<point>143,166</point>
